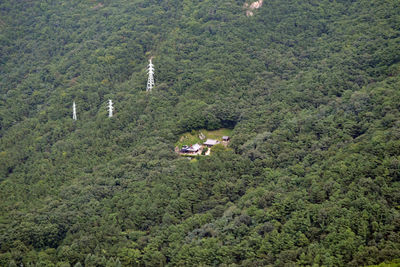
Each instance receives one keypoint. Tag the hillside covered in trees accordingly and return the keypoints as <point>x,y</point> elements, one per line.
<point>310,89</point>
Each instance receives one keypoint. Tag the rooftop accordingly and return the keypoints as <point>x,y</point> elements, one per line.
<point>194,148</point>
<point>211,142</point>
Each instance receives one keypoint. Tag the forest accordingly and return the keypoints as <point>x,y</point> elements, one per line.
<point>310,91</point>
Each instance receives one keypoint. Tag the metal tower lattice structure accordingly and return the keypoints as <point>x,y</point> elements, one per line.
<point>74,111</point>
<point>150,80</point>
<point>110,108</point>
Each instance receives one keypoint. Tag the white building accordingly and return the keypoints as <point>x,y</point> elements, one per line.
<point>211,142</point>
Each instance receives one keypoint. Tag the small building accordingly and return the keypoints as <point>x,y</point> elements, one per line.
<point>184,149</point>
<point>211,142</point>
<point>190,149</point>
<point>225,138</point>
<point>194,148</point>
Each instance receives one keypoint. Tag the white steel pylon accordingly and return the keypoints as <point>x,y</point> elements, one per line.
<point>74,111</point>
<point>110,108</point>
<point>150,80</point>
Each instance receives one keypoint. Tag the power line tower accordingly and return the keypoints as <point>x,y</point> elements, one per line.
<point>150,80</point>
<point>110,108</point>
<point>74,111</point>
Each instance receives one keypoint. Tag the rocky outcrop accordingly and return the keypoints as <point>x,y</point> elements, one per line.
<point>252,6</point>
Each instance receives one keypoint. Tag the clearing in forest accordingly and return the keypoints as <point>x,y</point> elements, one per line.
<point>200,136</point>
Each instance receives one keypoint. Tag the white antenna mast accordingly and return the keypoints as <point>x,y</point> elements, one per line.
<point>110,108</point>
<point>74,111</point>
<point>150,80</point>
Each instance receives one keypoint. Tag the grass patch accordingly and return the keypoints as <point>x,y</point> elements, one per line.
<point>191,138</point>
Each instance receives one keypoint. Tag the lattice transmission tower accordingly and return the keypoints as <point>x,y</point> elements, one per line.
<point>150,80</point>
<point>110,108</point>
<point>74,111</point>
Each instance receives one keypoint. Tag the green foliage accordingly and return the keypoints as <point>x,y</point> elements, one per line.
<point>218,148</point>
<point>307,90</point>
<point>393,263</point>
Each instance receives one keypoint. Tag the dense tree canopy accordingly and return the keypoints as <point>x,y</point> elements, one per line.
<point>310,89</point>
